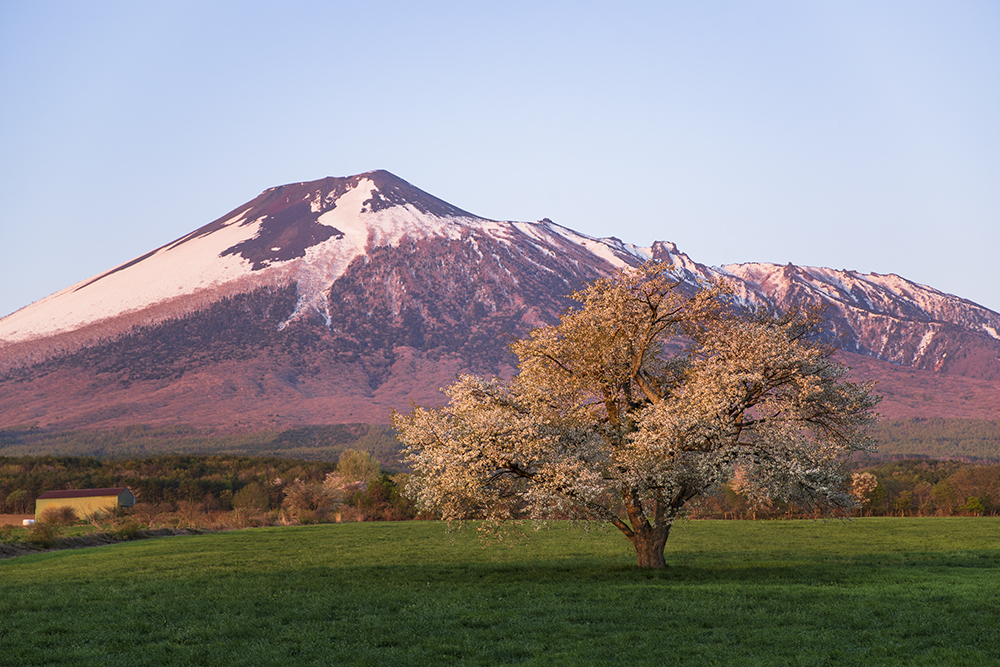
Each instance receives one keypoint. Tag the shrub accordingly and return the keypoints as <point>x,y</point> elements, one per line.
<point>311,517</point>
<point>60,515</point>
<point>301,495</point>
<point>151,515</point>
<point>44,535</point>
<point>189,514</point>
<point>973,506</point>
<point>129,531</point>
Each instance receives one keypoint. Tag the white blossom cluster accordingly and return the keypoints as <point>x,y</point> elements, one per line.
<point>636,402</point>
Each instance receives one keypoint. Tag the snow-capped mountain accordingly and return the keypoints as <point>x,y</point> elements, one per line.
<point>882,316</point>
<point>341,299</point>
<point>887,317</point>
<point>304,233</point>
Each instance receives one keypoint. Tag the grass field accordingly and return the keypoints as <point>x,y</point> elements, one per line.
<point>865,592</point>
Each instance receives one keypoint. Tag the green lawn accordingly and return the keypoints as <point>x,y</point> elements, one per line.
<point>865,592</point>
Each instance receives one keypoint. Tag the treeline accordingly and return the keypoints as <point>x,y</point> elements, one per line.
<point>969,440</point>
<point>200,488</point>
<point>923,487</point>
<point>209,470</point>
<point>908,487</point>
<point>940,438</point>
<point>356,487</point>
<point>324,443</point>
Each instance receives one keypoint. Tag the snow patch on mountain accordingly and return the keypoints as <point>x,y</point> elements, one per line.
<point>169,272</point>
<point>600,247</point>
<point>924,343</point>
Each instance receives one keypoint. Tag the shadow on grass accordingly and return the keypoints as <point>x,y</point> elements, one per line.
<point>256,608</point>
<point>96,539</point>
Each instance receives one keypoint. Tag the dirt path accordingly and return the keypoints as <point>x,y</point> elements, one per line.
<point>14,519</point>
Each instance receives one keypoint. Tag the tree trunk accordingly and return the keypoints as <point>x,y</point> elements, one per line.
<point>649,545</point>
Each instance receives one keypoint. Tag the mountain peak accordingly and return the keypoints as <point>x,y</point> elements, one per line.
<point>387,191</point>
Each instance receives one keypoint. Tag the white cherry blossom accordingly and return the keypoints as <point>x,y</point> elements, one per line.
<point>639,400</point>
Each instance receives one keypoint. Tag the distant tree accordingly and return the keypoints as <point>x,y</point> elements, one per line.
<point>945,497</point>
<point>973,506</point>
<point>252,498</point>
<point>381,500</point>
<point>639,400</point>
<point>862,485</point>
<point>355,466</point>
<point>17,501</point>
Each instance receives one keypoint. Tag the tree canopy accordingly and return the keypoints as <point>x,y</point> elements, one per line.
<point>641,398</point>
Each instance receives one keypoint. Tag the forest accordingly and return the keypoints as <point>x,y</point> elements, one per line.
<point>317,443</point>
<point>925,467</point>
<point>299,491</point>
<point>940,438</point>
<point>907,487</point>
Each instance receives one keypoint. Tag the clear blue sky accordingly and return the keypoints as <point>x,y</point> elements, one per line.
<point>861,135</point>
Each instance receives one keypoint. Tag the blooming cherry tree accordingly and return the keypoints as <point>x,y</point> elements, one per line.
<point>641,399</point>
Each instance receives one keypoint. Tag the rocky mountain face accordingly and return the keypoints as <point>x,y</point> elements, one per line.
<point>882,316</point>
<point>888,317</point>
<point>341,299</point>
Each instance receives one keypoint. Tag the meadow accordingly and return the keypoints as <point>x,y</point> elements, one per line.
<point>873,591</point>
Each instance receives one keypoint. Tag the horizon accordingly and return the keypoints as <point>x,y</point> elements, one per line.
<point>843,136</point>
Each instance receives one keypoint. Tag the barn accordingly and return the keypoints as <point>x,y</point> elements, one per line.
<point>85,501</point>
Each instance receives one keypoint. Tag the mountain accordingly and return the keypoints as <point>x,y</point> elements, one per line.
<point>303,234</point>
<point>341,299</point>
<point>932,354</point>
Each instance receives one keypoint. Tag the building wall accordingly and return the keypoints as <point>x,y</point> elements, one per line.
<point>85,505</point>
